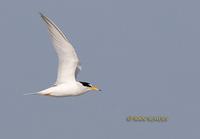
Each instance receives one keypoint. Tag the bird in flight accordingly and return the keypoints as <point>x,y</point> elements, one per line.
<point>68,66</point>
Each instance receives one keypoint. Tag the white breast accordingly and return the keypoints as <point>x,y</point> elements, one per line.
<point>67,89</point>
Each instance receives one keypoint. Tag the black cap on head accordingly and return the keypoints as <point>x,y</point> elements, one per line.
<point>85,84</point>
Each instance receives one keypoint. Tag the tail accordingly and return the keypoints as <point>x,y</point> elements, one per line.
<point>31,94</point>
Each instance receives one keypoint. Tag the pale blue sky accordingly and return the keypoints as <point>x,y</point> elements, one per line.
<point>144,54</point>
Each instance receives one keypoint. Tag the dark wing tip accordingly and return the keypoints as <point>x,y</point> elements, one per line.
<point>41,14</point>
<point>45,19</point>
<point>51,24</point>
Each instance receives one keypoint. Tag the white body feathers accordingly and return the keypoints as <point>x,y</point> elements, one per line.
<point>68,65</point>
<point>68,89</point>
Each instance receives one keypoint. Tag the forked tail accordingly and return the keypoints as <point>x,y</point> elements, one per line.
<point>31,94</point>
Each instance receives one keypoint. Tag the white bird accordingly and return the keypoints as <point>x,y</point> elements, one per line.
<point>68,66</point>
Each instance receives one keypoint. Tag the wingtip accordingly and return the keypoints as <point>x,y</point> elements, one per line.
<point>40,13</point>
<point>43,17</point>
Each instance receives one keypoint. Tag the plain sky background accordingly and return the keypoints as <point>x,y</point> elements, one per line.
<point>144,54</point>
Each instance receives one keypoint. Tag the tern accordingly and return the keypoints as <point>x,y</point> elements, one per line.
<point>68,66</point>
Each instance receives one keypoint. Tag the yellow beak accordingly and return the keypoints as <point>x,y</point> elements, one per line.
<point>95,88</point>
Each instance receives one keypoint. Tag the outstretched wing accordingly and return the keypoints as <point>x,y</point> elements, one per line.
<point>69,64</point>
